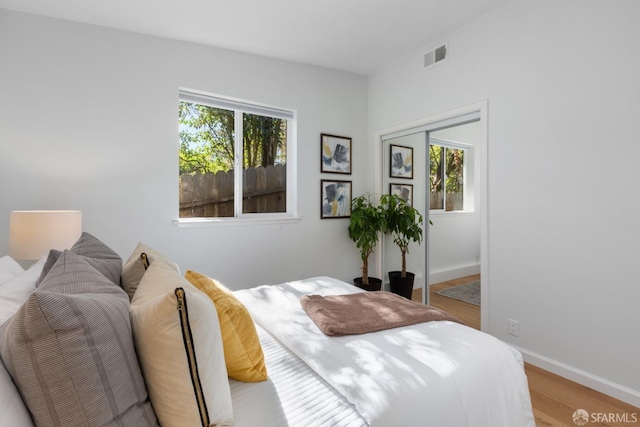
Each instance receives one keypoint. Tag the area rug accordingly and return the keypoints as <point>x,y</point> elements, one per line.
<point>467,293</point>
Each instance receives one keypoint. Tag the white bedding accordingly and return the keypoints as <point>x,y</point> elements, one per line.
<point>293,396</point>
<point>436,373</point>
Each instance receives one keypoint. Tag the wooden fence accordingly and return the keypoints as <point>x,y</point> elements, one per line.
<point>212,194</point>
<point>454,201</point>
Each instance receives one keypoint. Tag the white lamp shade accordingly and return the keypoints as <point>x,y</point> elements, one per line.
<point>33,233</point>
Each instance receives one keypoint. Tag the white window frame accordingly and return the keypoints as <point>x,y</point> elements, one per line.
<point>239,107</point>
<point>467,206</point>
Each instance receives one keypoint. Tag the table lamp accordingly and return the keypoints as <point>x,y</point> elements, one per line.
<point>33,233</point>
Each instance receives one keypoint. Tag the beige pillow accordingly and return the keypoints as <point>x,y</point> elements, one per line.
<point>178,341</point>
<point>134,268</point>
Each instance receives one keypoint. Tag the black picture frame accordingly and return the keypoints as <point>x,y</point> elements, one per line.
<point>335,199</point>
<point>400,162</point>
<point>404,191</point>
<point>335,154</point>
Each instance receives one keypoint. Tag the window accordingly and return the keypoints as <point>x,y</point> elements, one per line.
<point>233,158</point>
<point>447,175</point>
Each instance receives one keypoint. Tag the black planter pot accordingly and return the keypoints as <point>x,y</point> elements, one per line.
<point>375,284</point>
<point>402,286</point>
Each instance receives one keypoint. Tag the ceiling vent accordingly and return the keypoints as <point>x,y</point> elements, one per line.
<point>436,56</point>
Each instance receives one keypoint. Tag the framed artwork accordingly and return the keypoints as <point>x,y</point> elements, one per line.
<point>401,162</point>
<point>404,191</point>
<point>335,154</point>
<point>335,199</point>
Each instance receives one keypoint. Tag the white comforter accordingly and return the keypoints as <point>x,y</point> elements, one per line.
<point>436,373</point>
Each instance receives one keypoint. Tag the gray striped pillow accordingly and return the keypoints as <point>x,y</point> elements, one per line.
<point>96,253</point>
<point>70,351</point>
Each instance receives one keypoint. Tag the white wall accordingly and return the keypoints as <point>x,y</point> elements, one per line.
<point>88,120</point>
<point>561,80</point>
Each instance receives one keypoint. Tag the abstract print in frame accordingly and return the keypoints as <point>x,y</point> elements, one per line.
<point>335,154</point>
<point>404,191</point>
<point>335,199</point>
<point>401,162</point>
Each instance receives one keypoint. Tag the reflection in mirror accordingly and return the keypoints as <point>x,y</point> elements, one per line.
<point>412,190</point>
<point>454,239</point>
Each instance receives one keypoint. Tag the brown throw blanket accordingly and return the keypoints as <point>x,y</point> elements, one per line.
<point>338,315</point>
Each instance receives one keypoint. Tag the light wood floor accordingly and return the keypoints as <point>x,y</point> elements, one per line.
<point>554,398</point>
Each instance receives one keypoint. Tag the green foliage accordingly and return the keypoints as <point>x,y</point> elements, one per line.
<point>435,164</point>
<point>452,160</point>
<point>367,220</point>
<point>207,139</point>
<point>264,140</point>
<point>404,222</point>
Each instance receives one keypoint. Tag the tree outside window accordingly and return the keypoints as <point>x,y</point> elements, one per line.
<point>446,178</point>
<point>210,141</point>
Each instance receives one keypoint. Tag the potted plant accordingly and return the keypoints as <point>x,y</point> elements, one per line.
<point>367,221</point>
<point>404,222</point>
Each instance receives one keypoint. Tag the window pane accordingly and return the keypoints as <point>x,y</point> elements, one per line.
<point>264,174</point>
<point>436,175</point>
<point>206,161</point>
<point>455,179</point>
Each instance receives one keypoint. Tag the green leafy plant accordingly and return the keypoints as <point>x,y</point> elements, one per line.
<point>404,222</point>
<point>367,221</point>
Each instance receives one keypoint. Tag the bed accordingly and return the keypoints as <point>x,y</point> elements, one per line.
<point>435,373</point>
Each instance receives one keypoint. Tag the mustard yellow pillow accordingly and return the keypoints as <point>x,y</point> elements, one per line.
<point>242,350</point>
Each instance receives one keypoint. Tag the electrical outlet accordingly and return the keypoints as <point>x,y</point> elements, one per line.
<point>514,328</point>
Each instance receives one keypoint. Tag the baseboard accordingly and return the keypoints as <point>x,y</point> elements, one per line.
<point>454,273</point>
<point>620,392</point>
